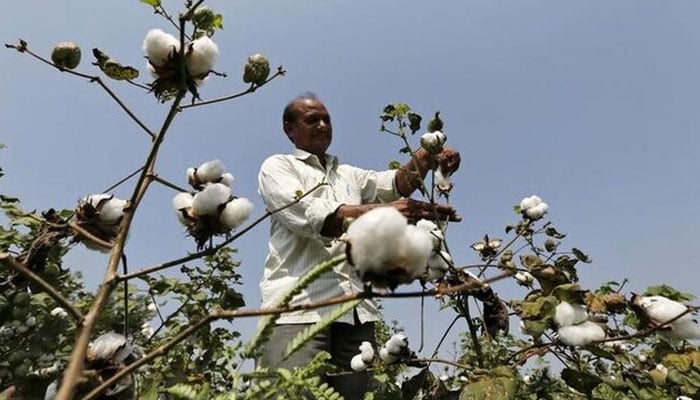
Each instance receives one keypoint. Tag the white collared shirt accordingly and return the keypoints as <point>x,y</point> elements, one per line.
<point>296,244</point>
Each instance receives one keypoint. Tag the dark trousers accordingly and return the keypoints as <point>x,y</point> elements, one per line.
<point>340,340</point>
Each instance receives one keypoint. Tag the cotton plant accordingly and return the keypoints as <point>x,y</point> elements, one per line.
<point>386,250</point>
<point>212,209</point>
<point>100,215</point>
<point>394,350</point>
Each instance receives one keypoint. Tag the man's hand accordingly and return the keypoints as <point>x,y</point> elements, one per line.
<point>415,210</point>
<point>448,160</point>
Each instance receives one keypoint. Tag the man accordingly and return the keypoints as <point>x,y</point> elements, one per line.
<point>305,234</point>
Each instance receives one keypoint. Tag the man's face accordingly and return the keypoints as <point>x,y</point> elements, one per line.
<point>311,130</point>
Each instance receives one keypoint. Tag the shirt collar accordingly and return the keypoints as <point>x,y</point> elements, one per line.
<point>303,155</point>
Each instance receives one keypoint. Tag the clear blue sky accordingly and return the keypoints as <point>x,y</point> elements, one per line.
<point>591,105</point>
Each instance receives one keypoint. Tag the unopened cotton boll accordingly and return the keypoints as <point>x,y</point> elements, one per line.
<point>357,364</point>
<point>566,314</point>
<point>202,56</point>
<point>207,201</point>
<point>159,45</point>
<point>211,171</point>
<point>236,212</point>
<point>581,334</point>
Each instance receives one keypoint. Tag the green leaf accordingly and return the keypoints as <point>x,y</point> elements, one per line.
<point>152,3</point>
<point>394,164</point>
<point>406,150</point>
<point>112,68</point>
<point>581,381</point>
<point>551,231</point>
<point>435,123</point>
<point>668,291</point>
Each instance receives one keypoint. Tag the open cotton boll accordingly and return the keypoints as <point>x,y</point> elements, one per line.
<point>566,314</point>
<point>227,179</point>
<point>207,201</point>
<point>581,334</point>
<point>108,347</point>
<point>375,237</point>
<point>435,232</point>
<point>367,352</point>
<point>112,211</point>
<point>159,45</point>
<point>236,212</point>
<point>386,357</point>
<point>357,364</point>
<point>182,202</point>
<point>202,56</point>
<point>529,202</point>
<point>432,141</point>
<point>397,344</point>
<point>417,248</point>
<point>211,171</point>
<point>438,264</point>
<point>537,211</point>
<point>442,181</point>
<point>660,309</point>
<point>96,199</point>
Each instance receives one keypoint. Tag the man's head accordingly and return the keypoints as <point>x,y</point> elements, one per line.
<point>307,123</point>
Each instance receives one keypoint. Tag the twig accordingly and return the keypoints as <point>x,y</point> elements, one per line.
<point>23,48</point>
<point>251,89</point>
<point>212,250</point>
<point>126,178</point>
<point>84,233</point>
<point>166,183</point>
<point>20,268</point>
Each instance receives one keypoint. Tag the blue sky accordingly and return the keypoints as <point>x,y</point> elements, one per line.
<point>591,105</point>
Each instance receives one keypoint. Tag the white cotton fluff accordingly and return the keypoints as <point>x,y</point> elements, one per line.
<point>202,56</point>
<point>661,309</point>
<point>110,346</point>
<point>182,201</point>
<point>566,314</point>
<point>533,207</point>
<point>581,334</point>
<point>207,201</point>
<point>443,183</point>
<point>438,265</point>
<point>367,352</point>
<point>147,330</point>
<point>382,241</point>
<point>191,175</point>
<point>158,46</point>
<point>433,141</point>
<point>386,357</point>
<point>434,230</point>
<point>227,179</point>
<point>357,364</point>
<point>211,171</point>
<point>95,199</point>
<point>397,344</point>
<point>236,212</point>
<point>112,211</point>
<point>59,312</point>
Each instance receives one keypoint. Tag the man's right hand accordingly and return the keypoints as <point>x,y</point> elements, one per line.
<point>415,210</point>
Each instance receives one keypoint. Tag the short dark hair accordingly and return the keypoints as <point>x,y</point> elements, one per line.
<point>289,114</point>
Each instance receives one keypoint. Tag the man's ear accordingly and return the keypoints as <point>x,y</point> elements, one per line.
<point>288,129</point>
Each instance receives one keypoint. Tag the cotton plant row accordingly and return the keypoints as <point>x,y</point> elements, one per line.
<point>212,209</point>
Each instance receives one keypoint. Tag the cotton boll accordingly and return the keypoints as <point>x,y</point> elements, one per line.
<point>236,212</point>
<point>181,203</point>
<point>529,202</point>
<point>111,211</point>
<point>106,347</point>
<point>442,181</point>
<point>201,56</point>
<point>537,211</point>
<point>207,201</point>
<point>417,248</point>
<point>386,357</point>
<point>375,237</point>
<point>367,352</point>
<point>524,278</point>
<point>581,334</point>
<point>59,312</point>
<point>432,141</point>
<point>438,264</point>
<point>227,179</point>
<point>566,314</point>
<point>435,233</point>
<point>397,344</point>
<point>660,309</point>
<point>192,176</point>
<point>357,364</point>
<point>210,171</point>
<point>159,45</point>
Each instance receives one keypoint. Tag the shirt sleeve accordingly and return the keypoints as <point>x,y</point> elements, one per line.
<point>376,186</point>
<point>278,184</point>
